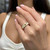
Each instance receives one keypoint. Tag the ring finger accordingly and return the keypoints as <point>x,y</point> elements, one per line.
<point>28,29</point>
<point>22,21</point>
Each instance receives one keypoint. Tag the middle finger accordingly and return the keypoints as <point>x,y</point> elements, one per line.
<point>26,15</point>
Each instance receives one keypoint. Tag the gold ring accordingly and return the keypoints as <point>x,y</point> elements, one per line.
<point>24,25</point>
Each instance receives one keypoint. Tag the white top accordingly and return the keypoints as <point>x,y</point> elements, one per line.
<point>6,43</point>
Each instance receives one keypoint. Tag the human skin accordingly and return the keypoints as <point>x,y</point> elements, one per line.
<point>25,2</point>
<point>13,36</point>
<point>26,12</point>
<point>35,35</point>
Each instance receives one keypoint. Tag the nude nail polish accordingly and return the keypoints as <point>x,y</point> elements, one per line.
<point>16,15</point>
<point>22,5</point>
<point>15,20</point>
<point>18,7</point>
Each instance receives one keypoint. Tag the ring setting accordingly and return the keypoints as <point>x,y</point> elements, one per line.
<point>24,25</point>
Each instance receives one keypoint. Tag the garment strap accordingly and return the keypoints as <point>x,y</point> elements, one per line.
<point>5,22</point>
<point>16,46</point>
<point>4,26</point>
<point>43,15</point>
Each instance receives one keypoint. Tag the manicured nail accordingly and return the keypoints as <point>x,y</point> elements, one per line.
<point>16,15</point>
<point>22,5</point>
<point>15,20</point>
<point>18,7</point>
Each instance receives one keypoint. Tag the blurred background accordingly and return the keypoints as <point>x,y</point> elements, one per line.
<point>4,5</point>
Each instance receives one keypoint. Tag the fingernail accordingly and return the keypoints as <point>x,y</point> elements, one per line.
<point>18,7</point>
<point>22,5</point>
<point>15,20</point>
<point>16,15</point>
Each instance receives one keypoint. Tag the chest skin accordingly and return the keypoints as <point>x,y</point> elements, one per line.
<point>47,19</point>
<point>11,31</point>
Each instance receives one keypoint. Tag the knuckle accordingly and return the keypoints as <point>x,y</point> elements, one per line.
<point>31,33</point>
<point>31,10</point>
<point>26,39</point>
<point>26,13</point>
<point>38,28</point>
<point>43,23</point>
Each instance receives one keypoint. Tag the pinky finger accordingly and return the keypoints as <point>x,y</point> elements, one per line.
<point>20,31</point>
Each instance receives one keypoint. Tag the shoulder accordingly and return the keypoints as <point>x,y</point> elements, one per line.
<point>2,17</point>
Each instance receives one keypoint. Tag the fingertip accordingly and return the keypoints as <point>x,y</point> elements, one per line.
<point>15,20</point>
<point>16,23</point>
<point>17,7</point>
<point>22,5</point>
<point>16,15</point>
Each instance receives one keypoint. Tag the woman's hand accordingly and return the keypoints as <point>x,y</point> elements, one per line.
<point>34,35</point>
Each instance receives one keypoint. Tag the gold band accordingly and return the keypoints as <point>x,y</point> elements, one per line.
<point>24,25</point>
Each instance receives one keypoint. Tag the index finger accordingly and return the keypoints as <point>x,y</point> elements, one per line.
<point>20,31</point>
